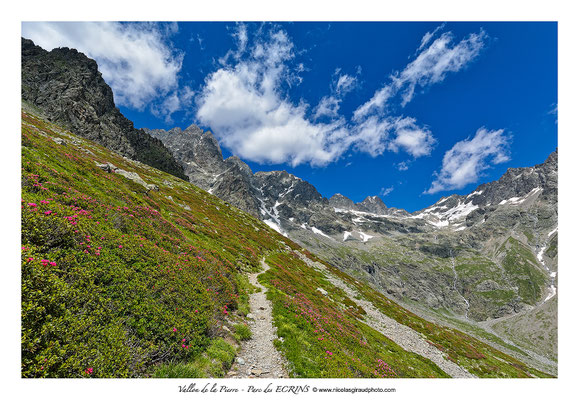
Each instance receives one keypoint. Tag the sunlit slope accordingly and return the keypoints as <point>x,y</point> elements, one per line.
<point>128,271</point>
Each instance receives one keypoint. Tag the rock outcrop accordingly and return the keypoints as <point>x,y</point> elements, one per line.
<point>67,87</point>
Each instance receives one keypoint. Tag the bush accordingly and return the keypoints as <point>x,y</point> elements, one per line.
<point>242,332</point>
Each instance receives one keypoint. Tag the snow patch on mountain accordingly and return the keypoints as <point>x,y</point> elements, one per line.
<point>439,224</point>
<point>365,237</point>
<point>273,221</point>
<point>520,200</point>
<point>272,224</point>
<point>474,193</point>
<point>319,232</point>
<point>441,219</point>
<point>552,290</point>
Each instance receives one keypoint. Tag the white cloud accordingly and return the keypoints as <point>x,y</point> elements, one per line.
<point>376,103</point>
<point>372,135</point>
<point>555,111</point>
<point>464,163</point>
<point>345,83</point>
<point>240,36</point>
<point>327,107</point>
<point>199,40</point>
<point>243,106</point>
<point>431,66</point>
<point>178,100</point>
<point>428,36</point>
<point>376,134</point>
<point>386,191</point>
<point>415,140</point>
<point>245,102</point>
<point>403,165</point>
<point>134,59</point>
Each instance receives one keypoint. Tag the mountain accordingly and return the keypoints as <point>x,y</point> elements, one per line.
<point>121,280</point>
<point>128,271</point>
<point>67,87</point>
<point>200,155</point>
<point>371,204</point>
<point>282,200</point>
<point>488,258</point>
<point>491,254</point>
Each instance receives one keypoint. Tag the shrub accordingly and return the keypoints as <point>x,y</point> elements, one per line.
<point>242,332</point>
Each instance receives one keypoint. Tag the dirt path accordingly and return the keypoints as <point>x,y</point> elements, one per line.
<point>258,357</point>
<point>400,334</point>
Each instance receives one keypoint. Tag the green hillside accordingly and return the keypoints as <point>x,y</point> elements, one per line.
<point>131,272</point>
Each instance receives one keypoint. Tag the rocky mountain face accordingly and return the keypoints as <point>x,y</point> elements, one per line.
<point>371,204</point>
<point>490,254</point>
<point>282,200</point>
<point>200,155</point>
<point>489,257</point>
<point>67,87</point>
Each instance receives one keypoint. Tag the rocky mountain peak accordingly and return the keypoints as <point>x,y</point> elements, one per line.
<point>341,202</point>
<point>518,182</point>
<point>193,130</point>
<point>374,205</point>
<point>236,162</point>
<point>277,184</point>
<point>67,87</point>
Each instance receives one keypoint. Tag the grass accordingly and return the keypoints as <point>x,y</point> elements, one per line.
<point>117,281</point>
<point>520,263</point>
<point>242,332</point>
<point>323,336</point>
<point>214,363</point>
<point>477,357</point>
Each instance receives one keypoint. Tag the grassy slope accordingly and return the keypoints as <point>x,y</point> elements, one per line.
<point>118,281</point>
<point>477,357</point>
<point>323,335</point>
<point>129,277</point>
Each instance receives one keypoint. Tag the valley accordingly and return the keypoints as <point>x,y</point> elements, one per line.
<point>168,261</point>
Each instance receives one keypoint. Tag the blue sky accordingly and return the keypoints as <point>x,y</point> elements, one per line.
<point>407,111</point>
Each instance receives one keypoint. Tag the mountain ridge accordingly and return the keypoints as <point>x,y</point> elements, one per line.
<point>486,256</point>
<point>68,88</point>
<point>250,196</point>
<point>497,225</point>
<point>166,273</point>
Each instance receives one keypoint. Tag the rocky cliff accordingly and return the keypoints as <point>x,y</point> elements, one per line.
<point>67,87</point>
